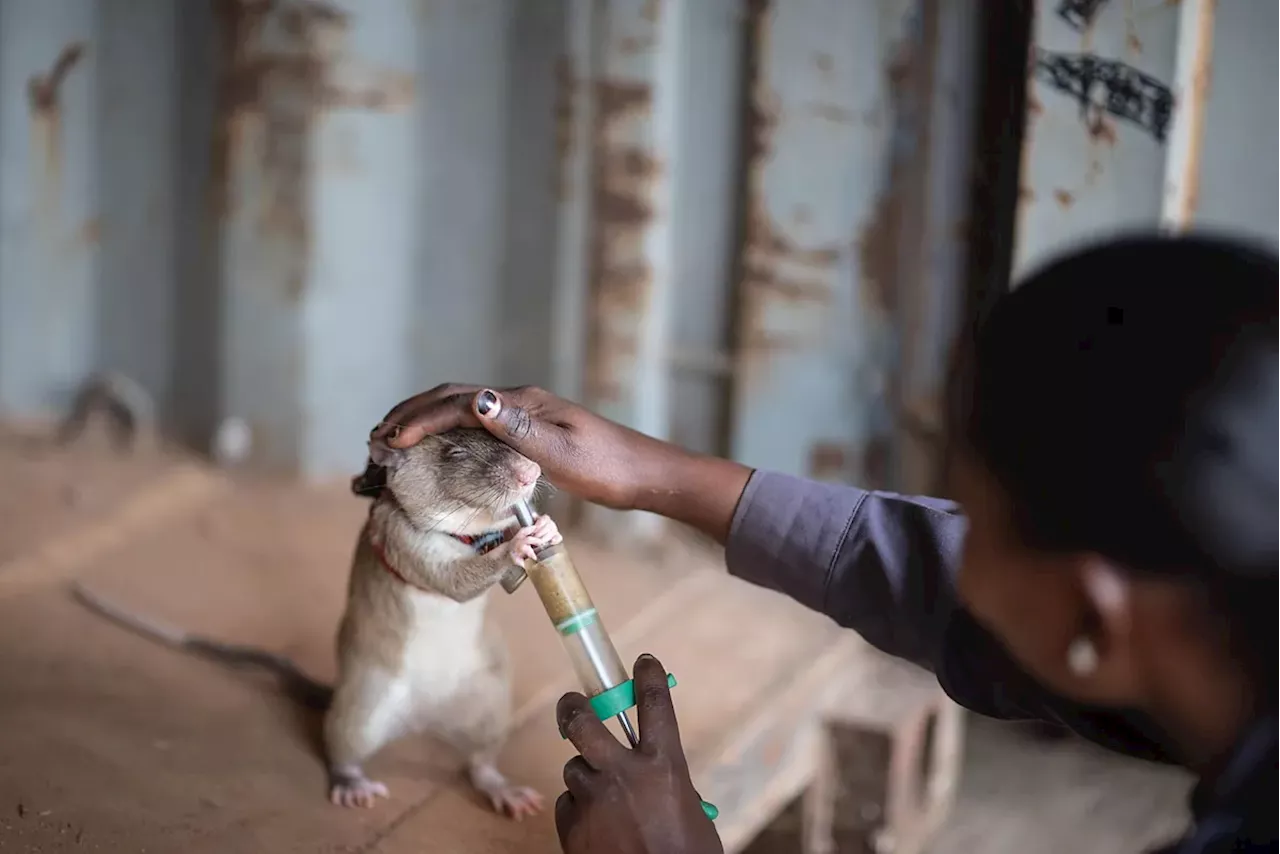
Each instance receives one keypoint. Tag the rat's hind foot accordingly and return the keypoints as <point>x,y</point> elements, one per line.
<point>349,787</point>
<point>506,798</point>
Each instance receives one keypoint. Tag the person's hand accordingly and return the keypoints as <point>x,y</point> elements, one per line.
<point>581,453</point>
<point>637,801</point>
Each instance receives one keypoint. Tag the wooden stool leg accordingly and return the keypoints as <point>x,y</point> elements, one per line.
<point>890,766</point>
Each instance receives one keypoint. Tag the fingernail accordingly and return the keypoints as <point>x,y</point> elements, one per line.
<point>487,402</point>
<point>564,724</point>
<point>647,657</point>
<point>376,428</point>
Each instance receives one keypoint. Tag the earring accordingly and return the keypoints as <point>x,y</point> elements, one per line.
<point>1082,657</point>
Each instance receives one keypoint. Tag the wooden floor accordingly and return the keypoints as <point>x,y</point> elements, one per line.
<point>1019,795</point>
<point>110,743</point>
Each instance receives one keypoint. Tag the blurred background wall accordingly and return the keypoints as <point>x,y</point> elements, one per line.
<point>750,226</point>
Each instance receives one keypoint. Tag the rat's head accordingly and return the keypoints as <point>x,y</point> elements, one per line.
<point>462,480</point>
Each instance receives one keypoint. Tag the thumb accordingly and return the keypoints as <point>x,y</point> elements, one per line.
<point>508,421</point>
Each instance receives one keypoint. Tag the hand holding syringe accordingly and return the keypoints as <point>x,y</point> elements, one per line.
<point>595,661</point>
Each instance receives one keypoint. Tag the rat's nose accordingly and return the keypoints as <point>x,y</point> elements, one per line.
<point>527,473</point>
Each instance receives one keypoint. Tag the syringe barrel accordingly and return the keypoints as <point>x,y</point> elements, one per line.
<point>574,616</point>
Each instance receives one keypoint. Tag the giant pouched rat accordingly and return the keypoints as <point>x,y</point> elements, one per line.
<point>415,653</point>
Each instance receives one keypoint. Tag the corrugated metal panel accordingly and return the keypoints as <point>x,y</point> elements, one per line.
<point>575,124</point>
<point>138,156</point>
<point>309,206</point>
<point>49,226</point>
<point>1099,115</point>
<point>1239,169</point>
<point>933,239</point>
<point>537,46</point>
<point>359,299</point>
<point>704,201</point>
<point>631,244</point>
<point>299,212</point>
<point>814,328</point>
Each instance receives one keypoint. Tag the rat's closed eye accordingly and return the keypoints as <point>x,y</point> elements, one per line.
<point>456,453</point>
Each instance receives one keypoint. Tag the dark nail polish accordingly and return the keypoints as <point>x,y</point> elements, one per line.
<point>486,402</point>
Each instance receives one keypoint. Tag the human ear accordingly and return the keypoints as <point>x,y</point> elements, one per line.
<point>1101,652</point>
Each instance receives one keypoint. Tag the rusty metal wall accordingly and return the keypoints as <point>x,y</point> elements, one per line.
<point>857,173</point>
<point>50,88</point>
<point>1087,171</point>
<point>699,217</point>
<point>1136,121</point>
<point>1242,123</point>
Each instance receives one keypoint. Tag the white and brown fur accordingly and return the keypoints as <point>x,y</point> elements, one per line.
<point>415,651</point>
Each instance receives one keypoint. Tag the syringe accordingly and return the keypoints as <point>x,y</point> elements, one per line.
<point>595,660</point>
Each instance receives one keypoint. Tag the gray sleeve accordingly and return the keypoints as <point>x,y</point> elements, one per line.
<point>878,563</point>
<point>884,565</point>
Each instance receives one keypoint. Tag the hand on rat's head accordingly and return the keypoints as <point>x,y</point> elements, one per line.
<point>579,452</point>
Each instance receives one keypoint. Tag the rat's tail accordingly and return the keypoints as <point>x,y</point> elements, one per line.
<point>296,684</point>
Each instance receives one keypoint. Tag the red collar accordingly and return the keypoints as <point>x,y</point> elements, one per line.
<point>486,542</point>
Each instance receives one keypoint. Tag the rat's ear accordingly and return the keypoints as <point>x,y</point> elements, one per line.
<point>382,454</point>
<point>371,483</point>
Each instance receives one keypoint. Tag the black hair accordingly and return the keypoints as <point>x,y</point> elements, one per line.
<point>1125,398</point>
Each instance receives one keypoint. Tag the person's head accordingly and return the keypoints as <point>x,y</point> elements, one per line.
<point>1117,459</point>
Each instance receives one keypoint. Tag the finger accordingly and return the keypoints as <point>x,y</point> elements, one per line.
<point>406,410</point>
<point>580,778</point>
<point>656,714</point>
<point>509,416</point>
<point>579,724</point>
<point>566,816</point>
<point>444,407</point>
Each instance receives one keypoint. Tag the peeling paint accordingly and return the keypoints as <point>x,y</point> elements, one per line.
<point>775,268</point>
<point>284,66</point>
<point>833,113</point>
<point>909,77</point>
<point>46,118</point>
<point>624,171</point>
<point>1102,130</point>
<point>829,461</point>
<point>45,104</point>
<point>42,90</point>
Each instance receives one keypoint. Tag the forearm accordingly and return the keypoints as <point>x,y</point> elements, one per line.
<point>884,565</point>
<point>697,490</point>
<point>880,564</point>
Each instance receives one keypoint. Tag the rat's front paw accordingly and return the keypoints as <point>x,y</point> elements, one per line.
<point>525,544</point>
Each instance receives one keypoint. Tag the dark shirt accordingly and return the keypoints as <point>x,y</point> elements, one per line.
<point>884,565</point>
